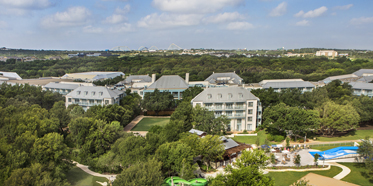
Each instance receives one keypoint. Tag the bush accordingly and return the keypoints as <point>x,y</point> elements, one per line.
<point>279,138</point>
<point>270,137</point>
<point>244,132</point>
<point>301,140</point>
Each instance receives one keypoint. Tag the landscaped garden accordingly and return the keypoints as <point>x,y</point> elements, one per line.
<point>289,177</point>
<point>357,174</point>
<point>352,135</point>
<point>77,177</point>
<point>146,123</point>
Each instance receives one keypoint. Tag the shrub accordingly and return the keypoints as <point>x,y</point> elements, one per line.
<point>244,132</point>
<point>270,137</point>
<point>279,138</point>
<point>301,140</point>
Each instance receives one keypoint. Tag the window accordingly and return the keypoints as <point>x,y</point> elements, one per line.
<point>217,114</point>
<point>230,96</point>
<point>141,93</point>
<point>251,104</point>
<point>135,91</point>
<point>218,106</point>
<point>93,93</point>
<point>220,96</point>
<point>76,100</point>
<point>69,100</point>
<point>250,111</point>
<point>100,93</point>
<point>249,118</point>
<point>209,96</point>
<point>249,127</point>
<point>91,101</point>
<point>240,95</point>
<point>229,127</point>
<point>228,113</point>
<point>85,92</point>
<point>106,102</point>
<point>78,93</point>
<point>99,102</point>
<point>229,106</point>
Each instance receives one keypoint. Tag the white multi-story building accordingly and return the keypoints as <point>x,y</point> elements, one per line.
<point>87,96</point>
<point>237,103</point>
<point>327,53</point>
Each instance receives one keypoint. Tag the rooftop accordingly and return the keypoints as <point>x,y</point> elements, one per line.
<point>361,72</point>
<point>95,75</point>
<point>277,80</point>
<point>239,94</point>
<point>198,132</point>
<point>137,79</point>
<point>289,84</point>
<point>90,92</point>
<point>61,85</point>
<point>10,75</point>
<point>169,82</point>
<point>39,82</point>
<point>226,77</point>
<point>359,85</point>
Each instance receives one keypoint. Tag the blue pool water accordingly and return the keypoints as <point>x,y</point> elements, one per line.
<point>336,152</point>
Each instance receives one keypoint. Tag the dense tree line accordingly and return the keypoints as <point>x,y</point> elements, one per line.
<point>326,110</point>
<point>252,70</point>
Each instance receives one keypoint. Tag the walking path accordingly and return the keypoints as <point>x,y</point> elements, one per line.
<point>344,173</point>
<point>133,123</point>
<point>85,169</point>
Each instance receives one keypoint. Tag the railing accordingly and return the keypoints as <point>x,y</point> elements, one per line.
<point>241,115</point>
<point>229,108</point>
<point>239,107</point>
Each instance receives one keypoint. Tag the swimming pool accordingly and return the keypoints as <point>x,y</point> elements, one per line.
<point>336,152</point>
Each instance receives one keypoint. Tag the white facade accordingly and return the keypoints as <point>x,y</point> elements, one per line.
<point>238,104</point>
<point>327,53</point>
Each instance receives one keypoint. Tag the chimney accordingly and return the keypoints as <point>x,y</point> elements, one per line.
<point>187,78</point>
<point>153,78</point>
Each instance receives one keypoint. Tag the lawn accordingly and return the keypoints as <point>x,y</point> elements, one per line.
<point>252,139</point>
<point>353,135</point>
<point>146,123</point>
<point>77,177</point>
<point>289,177</point>
<point>327,147</point>
<point>357,174</point>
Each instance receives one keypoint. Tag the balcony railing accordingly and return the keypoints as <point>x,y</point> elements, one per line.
<point>239,107</point>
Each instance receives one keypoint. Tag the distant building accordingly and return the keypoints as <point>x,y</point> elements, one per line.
<point>364,72</point>
<point>87,96</point>
<point>282,84</point>
<point>327,53</point>
<point>343,78</point>
<point>63,87</point>
<point>136,79</point>
<point>172,83</point>
<point>93,76</point>
<point>360,89</point>
<point>237,103</point>
<point>227,78</point>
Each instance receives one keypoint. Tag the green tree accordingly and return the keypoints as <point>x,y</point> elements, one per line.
<point>246,172</point>
<point>190,93</point>
<point>59,111</point>
<point>184,112</point>
<point>141,173</point>
<point>336,89</point>
<point>365,147</point>
<point>210,148</point>
<point>336,117</point>
<point>157,101</point>
<point>316,158</point>
<point>205,120</point>
<point>297,160</point>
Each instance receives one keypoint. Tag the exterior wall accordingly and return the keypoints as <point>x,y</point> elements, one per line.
<point>303,89</point>
<point>87,103</point>
<point>238,111</point>
<point>366,92</point>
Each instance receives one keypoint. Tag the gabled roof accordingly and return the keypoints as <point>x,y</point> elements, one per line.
<point>229,143</point>
<point>95,75</point>
<point>61,85</point>
<point>213,78</point>
<point>341,77</point>
<point>143,78</point>
<point>363,71</point>
<point>94,92</point>
<point>11,75</point>
<point>224,91</point>
<point>366,79</point>
<point>358,85</point>
<point>290,84</point>
<point>169,82</point>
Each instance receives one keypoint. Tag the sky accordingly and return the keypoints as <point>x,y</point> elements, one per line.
<point>217,24</point>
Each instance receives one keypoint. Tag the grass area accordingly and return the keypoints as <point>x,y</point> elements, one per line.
<point>357,175</point>
<point>353,135</point>
<point>289,177</point>
<point>77,177</point>
<point>327,147</point>
<point>146,123</point>
<point>252,139</point>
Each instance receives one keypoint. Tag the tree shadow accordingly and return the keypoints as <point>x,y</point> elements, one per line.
<point>364,174</point>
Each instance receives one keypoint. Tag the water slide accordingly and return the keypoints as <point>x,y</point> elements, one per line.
<point>192,182</point>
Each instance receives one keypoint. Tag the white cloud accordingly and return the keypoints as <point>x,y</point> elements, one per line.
<point>345,7</point>
<point>125,27</point>
<point>224,17</point>
<point>194,6</point>
<point>279,10</point>
<point>361,20</point>
<point>239,25</point>
<point>303,23</point>
<point>26,4</point>
<point>123,10</point>
<point>74,16</point>
<point>115,19</point>
<point>92,30</point>
<point>156,21</point>
<point>312,13</point>
<point>3,24</point>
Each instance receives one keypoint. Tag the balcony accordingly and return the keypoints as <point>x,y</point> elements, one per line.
<point>240,107</point>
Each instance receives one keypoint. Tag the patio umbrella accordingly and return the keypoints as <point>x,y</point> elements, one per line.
<point>273,150</point>
<point>285,151</point>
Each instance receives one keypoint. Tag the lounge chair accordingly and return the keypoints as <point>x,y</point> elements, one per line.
<point>283,162</point>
